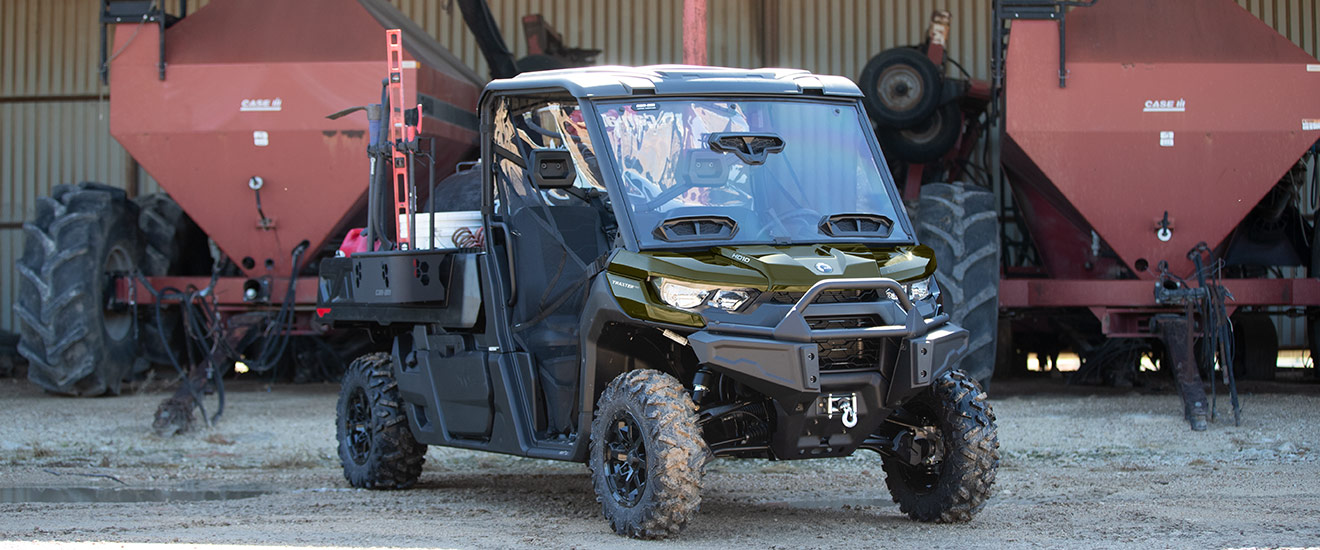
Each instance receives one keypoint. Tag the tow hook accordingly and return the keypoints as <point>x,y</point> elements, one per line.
<point>843,404</point>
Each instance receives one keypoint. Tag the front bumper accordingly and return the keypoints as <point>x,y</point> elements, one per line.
<point>782,361</point>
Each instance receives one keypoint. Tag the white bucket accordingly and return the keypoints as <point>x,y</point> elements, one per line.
<point>446,224</point>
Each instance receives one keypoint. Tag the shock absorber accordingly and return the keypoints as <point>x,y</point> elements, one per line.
<point>700,382</point>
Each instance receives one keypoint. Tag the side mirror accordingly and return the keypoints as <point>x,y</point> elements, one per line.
<point>551,168</point>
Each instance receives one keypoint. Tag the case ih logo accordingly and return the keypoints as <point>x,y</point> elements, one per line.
<point>260,104</point>
<point>1165,106</point>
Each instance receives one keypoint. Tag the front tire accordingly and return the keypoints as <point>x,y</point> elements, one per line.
<point>647,455</point>
<point>376,446</point>
<point>953,486</point>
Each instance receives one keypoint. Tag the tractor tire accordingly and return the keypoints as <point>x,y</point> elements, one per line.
<point>960,222</point>
<point>647,455</point>
<point>901,87</point>
<point>172,245</point>
<point>1313,313</point>
<point>956,488</point>
<point>926,142</point>
<point>376,446</point>
<point>1255,346</point>
<point>75,344</point>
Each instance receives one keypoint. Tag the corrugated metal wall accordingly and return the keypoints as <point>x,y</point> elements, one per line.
<point>53,127</point>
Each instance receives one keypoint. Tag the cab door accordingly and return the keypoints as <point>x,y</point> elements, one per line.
<point>549,240</point>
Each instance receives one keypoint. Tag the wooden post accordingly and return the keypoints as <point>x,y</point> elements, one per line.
<point>694,32</point>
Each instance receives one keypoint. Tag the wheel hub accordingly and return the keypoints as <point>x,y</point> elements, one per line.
<point>625,460</point>
<point>359,435</point>
<point>900,88</point>
<point>918,450</point>
<point>118,321</point>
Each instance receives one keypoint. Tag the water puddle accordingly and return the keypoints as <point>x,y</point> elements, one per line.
<point>9,495</point>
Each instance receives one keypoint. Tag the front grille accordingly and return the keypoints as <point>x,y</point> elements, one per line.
<point>827,297</point>
<point>860,321</point>
<point>854,353</point>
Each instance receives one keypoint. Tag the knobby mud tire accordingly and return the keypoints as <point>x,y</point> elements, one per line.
<point>392,458</point>
<point>675,454</point>
<point>970,455</point>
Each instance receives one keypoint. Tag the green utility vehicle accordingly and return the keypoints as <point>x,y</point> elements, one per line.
<point>672,264</point>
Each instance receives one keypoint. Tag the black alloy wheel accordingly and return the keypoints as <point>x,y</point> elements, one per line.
<point>376,444</point>
<point>359,435</point>
<point>625,460</point>
<point>647,455</point>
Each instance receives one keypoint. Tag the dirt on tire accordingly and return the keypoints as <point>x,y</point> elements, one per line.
<point>675,453</point>
<point>970,454</point>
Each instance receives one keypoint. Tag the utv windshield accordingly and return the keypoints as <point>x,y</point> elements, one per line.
<point>748,171</point>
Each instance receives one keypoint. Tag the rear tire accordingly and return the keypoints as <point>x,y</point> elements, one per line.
<point>960,222</point>
<point>1255,347</point>
<point>74,343</point>
<point>172,245</point>
<point>956,488</point>
<point>376,446</point>
<point>647,455</point>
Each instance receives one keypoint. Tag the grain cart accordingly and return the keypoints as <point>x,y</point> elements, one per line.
<point>227,109</point>
<point>1151,152</point>
<point>678,263</point>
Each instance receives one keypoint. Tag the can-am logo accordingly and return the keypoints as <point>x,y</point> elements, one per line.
<point>260,104</point>
<point>1165,106</point>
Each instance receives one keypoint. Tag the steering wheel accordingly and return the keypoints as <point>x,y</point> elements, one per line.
<point>636,185</point>
<point>804,216</point>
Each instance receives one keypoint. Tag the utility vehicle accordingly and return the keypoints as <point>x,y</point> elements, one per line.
<point>673,264</point>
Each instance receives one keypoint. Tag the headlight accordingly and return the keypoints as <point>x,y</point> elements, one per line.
<point>687,295</point>
<point>920,290</point>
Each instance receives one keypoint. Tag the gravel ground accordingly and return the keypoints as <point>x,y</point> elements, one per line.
<point>1082,468</point>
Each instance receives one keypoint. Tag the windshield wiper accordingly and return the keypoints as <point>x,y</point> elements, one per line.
<point>696,228</point>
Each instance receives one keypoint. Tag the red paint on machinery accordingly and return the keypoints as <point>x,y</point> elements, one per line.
<point>247,87</point>
<point>1194,111</point>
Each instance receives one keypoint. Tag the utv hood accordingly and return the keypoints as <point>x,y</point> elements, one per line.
<point>778,268</point>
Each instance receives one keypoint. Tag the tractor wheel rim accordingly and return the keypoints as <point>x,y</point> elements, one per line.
<point>118,321</point>
<point>927,130</point>
<point>358,420</point>
<point>625,460</point>
<point>900,88</point>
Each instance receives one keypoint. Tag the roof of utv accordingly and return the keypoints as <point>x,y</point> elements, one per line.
<point>615,81</point>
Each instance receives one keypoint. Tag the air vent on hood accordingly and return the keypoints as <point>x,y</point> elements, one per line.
<point>840,225</point>
<point>696,228</point>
